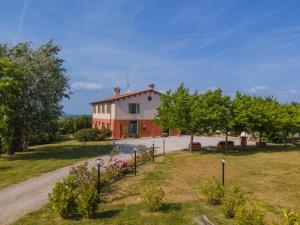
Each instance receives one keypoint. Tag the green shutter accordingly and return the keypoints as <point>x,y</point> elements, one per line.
<point>137,108</point>
<point>129,108</point>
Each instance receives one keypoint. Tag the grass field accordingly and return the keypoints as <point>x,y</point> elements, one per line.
<point>271,174</point>
<point>45,158</point>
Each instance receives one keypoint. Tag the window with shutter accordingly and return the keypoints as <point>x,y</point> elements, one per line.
<point>134,108</point>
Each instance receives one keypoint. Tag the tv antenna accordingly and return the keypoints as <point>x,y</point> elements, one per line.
<point>127,80</point>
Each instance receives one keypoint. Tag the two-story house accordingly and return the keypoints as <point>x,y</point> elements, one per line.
<point>128,115</point>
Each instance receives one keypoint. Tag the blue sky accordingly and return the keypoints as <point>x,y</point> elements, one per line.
<point>251,46</point>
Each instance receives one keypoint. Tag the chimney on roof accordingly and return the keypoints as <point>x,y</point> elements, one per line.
<point>151,86</point>
<point>117,91</point>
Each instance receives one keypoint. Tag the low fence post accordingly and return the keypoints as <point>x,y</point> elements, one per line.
<point>223,171</point>
<point>153,152</point>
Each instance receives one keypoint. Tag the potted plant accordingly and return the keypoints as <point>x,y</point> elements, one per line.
<point>222,145</point>
<point>164,134</point>
<point>196,146</point>
<point>261,144</point>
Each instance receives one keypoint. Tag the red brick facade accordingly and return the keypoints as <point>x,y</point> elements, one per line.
<point>119,128</point>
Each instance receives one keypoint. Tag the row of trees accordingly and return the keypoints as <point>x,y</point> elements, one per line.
<point>212,111</point>
<point>70,125</point>
<point>33,83</point>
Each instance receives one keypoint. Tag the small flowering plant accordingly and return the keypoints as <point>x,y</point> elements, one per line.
<point>119,165</point>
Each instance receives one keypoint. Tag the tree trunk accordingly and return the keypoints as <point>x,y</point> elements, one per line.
<point>191,142</point>
<point>24,141</point>
<point>260,136</point>
<point>285,134</point>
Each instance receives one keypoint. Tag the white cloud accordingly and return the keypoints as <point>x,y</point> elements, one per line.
<point>258,88</point>
<point>21,20</point>
<point>293,91</point>
<point>90,86</point>
<point>213,88</point>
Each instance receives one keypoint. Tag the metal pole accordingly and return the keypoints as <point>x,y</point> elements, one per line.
<point>135,162</point>
<point>223,172</point>
<point>164,146</point>
<point>153,152</point>
<point>226,141</point>
<point>98,179</point>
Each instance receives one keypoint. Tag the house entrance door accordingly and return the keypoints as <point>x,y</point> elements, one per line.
<point>133,128</point>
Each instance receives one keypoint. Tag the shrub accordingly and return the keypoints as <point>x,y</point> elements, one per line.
<point>105,133</point>
<point>82,176</point>
<point>63,198</point>
<point>143,155</point>
<point>87,135</point>
<point>213,191</point>
<point>152,197</point>
<point>250,213</point>
<point>231,201</point>
<point>290,217</point>
<point>76,194</point>
<point>119,165</point>
<point>87,202</point>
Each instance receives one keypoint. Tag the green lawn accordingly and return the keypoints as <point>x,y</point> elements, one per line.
<point>271,174</point>
<point>45,158</point>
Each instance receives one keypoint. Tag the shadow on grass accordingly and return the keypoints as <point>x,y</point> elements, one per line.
<point>107,214</point>
<point>4,168</point>
<point>168,207</point>
<point>63,152</point>
<point>250,150</point>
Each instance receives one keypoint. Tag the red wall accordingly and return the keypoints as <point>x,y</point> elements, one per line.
<point>147,128</point>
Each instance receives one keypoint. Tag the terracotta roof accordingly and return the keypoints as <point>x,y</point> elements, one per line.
<point>115,98</point>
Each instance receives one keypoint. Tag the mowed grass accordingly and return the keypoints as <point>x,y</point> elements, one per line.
<point>45,158</point>
<point>271,174</point>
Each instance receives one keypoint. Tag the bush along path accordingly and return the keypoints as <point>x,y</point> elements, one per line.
<point>20,199</point>
<point>78,194</point>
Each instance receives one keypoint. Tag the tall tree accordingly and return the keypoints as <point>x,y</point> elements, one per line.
<point>219,111</point>
<point>10,88</point>
<point>45,84</point>
<point>288,120</point>
<point>182,111</point>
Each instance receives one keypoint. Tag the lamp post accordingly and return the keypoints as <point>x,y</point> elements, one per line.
<point>153,151</point>
<point>135,161</point>
<point>223,171</point>
<point>98,162</point>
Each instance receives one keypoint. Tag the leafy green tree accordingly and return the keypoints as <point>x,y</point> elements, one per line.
<point>242,114</point>
<point>288,120</point>
<point>255,114</point>
<point>218,111</point>
<point>44,85</point>
<point>10,87</point>
<point>70,125</point>
<point>184,112</point>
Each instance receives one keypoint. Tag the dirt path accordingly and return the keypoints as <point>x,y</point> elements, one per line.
<point>20,199</point>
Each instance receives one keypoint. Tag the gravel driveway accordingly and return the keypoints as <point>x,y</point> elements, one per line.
<point>174,143</point>
<point>20,199</point>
